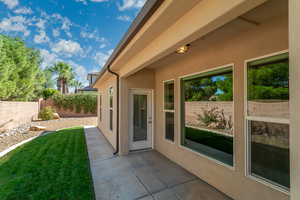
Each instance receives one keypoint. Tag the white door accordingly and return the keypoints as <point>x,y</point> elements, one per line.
<point>140,119</point>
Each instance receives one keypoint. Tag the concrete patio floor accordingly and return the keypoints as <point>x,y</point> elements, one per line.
<point>144,175</point>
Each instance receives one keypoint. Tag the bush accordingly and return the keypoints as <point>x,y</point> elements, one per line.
<point>77,102</point>
<point>46,113</point>
<point>215,117</point>
<point>49,92</point>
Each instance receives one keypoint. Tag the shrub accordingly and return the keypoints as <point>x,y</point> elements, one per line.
<point>215,118</point>
<point>46,113</point>
<point>77,102</point>
<point>209,116</point>
<point>49,92</point>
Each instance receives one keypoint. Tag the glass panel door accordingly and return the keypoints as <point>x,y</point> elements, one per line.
<point>139,117</point>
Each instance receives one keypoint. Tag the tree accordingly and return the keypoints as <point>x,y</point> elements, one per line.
<point>20,75</point>
<point>199,89</point>
<point>49,82</point>
<point>225,87</point>
<point>65,75</point>
<point>76,84</point>
<point>269,81</point>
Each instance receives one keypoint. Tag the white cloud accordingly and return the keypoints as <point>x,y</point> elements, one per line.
<point>129,4</point>
<point>85,2</point>
<point>124,18</point>
<point>55,32</point>
<point>67,47</point>
<point>81,72</point>
<point>48,58</point>
<point>101,57</point>
<point>41,38</point>
<point>102,46</point>
<point>92,35</point>
<point>23,10</point>
<point>99,0</point>
<point>41,24</point>
<point>82,1</point>
<point>65,23</point>
<point>15,24</point>
<point>10,3</point>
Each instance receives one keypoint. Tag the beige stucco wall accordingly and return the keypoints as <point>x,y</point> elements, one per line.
<point>104,123</point>
<point>234,43</point>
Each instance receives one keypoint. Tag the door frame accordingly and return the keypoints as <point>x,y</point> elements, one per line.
<point>130,117</point>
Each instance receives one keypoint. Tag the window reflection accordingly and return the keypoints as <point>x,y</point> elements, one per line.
<point>208,114</point>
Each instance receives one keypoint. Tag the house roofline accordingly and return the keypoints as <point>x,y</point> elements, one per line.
<point>147,11</point>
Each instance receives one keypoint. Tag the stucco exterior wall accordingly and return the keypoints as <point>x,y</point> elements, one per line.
<point>234,43</point>
<point>103,125</point>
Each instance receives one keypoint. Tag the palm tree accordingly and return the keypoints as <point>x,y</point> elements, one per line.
<point>76,84</point>
<point>65,75</point>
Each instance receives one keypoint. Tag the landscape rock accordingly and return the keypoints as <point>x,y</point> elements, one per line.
<point>56,116</point>
<point>37,128</point>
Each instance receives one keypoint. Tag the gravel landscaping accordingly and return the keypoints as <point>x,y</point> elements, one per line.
<point>18,134</point>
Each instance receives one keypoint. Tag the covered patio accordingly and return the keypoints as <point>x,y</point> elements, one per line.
<point>142,175</point>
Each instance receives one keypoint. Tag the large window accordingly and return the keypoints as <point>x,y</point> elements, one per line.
<point>169,109</point>
<point>207,114</point>
<point>267,119</point>
<point>111,111</point>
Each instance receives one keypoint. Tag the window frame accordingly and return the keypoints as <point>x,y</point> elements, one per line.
<point>247,134</point>
<point>169,111</point>
<point>111,108</point>
<point>180,116</point>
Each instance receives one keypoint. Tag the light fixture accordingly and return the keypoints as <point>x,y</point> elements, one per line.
<point>183,49</point>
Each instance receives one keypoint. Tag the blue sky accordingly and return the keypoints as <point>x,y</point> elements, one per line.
<point>80,32</point>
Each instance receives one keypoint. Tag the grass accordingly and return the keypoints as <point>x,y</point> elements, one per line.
<point>214,140</point>
<point>54,166</point>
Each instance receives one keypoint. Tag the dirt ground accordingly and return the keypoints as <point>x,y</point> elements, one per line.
<point>51,125</point>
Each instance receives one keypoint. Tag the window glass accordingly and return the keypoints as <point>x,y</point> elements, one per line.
<point>270,151</point>
<point>111,108</point>
<point>100,107</point>
<point>169,109</point>
<point>139,117</point>
<point>207,108</point>
<point>111,97</point>
<point>169,95</point>
<point>169,125</point>
<point>111,119</point>
<point>268,87</point>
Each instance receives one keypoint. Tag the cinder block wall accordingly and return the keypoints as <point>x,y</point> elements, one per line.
<point>13,114</point>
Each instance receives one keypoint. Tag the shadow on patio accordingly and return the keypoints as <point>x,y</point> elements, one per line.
<point>144,175</point>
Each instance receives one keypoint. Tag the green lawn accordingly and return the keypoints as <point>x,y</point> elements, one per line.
<point>214,140</point>
<point>55,166</point>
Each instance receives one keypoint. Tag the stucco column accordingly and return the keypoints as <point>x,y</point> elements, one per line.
<point>123,117</point>
<point>294,47</point>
